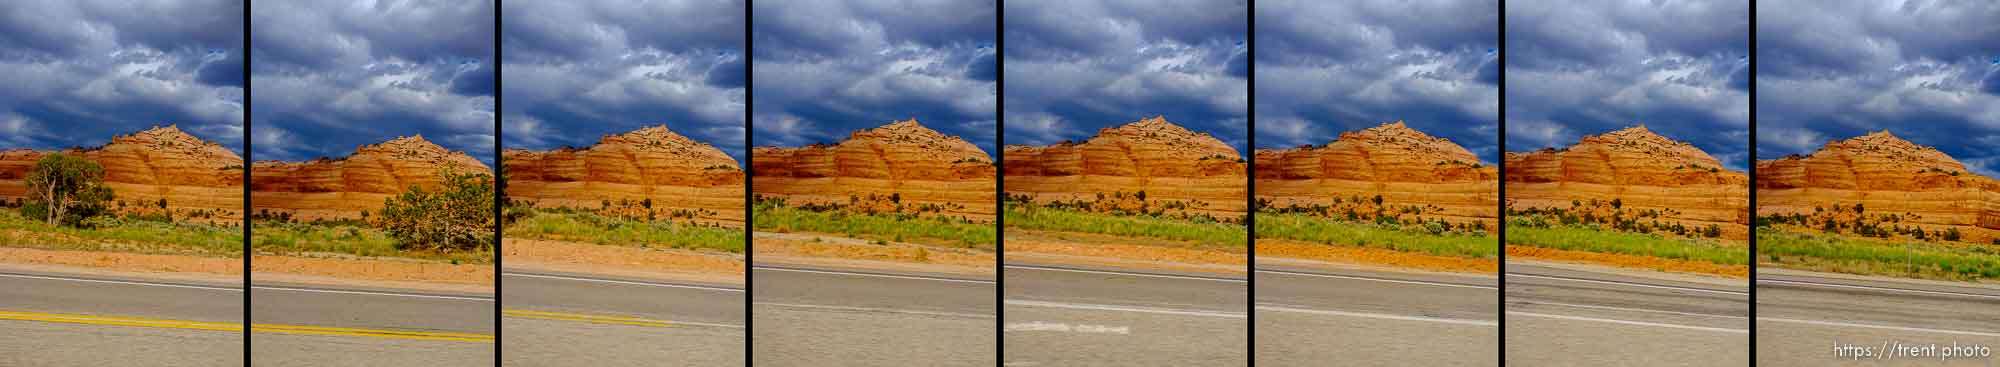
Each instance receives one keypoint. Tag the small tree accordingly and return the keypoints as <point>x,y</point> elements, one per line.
<point>65,190</point>
<point>457,216</point>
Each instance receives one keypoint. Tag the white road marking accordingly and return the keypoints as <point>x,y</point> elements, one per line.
<point>1028,267</point>
<point>122,282</point>
<point>1418,282</point>
<point>1067,328</point>
<point>1628,309</point>
<point>873,309</point>
<point>1163,311</point>
<point>1690,289</point>
<point>1919,291</point>
<point>391,294</point>
<point>481,299</point>
<point>663,285</point>
<point>797,270</point>
<point>1628,322</point>
<point>1380,316</point>
<point>1884,327</point>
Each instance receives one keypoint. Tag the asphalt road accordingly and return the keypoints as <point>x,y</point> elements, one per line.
<point>1802,317</point>
<point>592,320</point>
<point>319,326</point>
<point>1367,318</point>
<point>1560,317</point>
<point>844,317</point>
<point>1058,316</point>
<point>66,320</point>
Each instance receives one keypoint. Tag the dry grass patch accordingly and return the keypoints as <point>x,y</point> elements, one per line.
<point>389,270</point>
<point>622,260</point>
<point>121,261</point>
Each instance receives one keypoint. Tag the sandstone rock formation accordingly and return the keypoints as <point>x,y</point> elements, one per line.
<point>144,167</point>
<point>1403,165</point>
<point>343,188</point>
<point>1165,160</point>
<point>904,157</point>
<point>1642,169</point>
<point>655,163</point>
<point>1885,174</point>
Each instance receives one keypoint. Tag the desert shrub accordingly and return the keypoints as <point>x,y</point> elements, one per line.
<point>457,216</point>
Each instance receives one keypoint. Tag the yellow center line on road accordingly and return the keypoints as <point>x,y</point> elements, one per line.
<point>237,327</point>
<point>121,321</point>
<point>601,319</point>
<point>375,333</point>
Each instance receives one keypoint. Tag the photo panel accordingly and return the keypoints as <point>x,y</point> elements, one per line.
<point>121,183</point>
<point>1378,189</point>
<point>372,192</point>
<point>1878,215</point>
<point>1627,211</point>
<point>873,179</point>
<point>623,209</point>
<point>1126,185</point>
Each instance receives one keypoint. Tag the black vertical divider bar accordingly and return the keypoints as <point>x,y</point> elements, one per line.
<point>1250,185</point>
<point>499,145</point>
<point>1501,281</point>
<point>1000,184</point>
<point>247,158</point>
<point>749,215</point>
<point>1752,167</point>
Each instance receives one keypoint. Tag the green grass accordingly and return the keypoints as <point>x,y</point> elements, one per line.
<point>127,235</point>
<point>602,230</point>
<point>1592,239</point>
<point>1322,230</point>
<point>1047,219</point>
<point>933,231</point>
<point>1877,256</point>
<point>342,238</point>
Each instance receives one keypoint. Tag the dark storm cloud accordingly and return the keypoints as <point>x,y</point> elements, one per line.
<point>1325,67</point>
<point>577,70</point>
<point>1073,67</point>
<point>333,75</point>
<point>825,68</point>
<point>1927,71</point>
<point>79,72</point>
<point>1584,68</point>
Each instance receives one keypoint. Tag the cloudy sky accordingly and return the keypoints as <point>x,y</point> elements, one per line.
<point>1927,71</point>
<point>78,72</point>
<point>574,71</point>
<point>825,68</point>
<point>1578,68</point>
<point>1076,66</point>
<point>329,76</point>
<point>1325,67</point>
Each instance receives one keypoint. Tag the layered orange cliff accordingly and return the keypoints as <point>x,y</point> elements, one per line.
<point>1165,160</point>
<point>920,165</point>
<point>144,167</point>
<point>343,188</point>
<point>1641,169</point>
<point>655,163</point>
<point>1403,165</point>
<point>1888,175</point>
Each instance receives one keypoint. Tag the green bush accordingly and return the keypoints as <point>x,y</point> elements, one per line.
<point>456,217</point>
